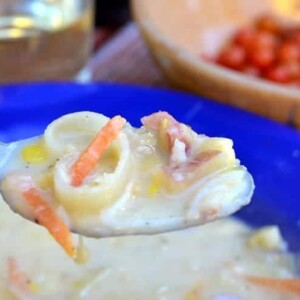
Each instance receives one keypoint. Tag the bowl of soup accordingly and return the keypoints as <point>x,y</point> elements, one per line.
<point>250,255</point>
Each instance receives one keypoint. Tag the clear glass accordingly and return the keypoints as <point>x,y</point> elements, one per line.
<point>43,40</point>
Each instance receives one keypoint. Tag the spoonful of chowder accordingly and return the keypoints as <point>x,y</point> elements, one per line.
<point>101,177</point>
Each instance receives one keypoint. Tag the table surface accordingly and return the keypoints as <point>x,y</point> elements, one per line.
<point>122,56</point>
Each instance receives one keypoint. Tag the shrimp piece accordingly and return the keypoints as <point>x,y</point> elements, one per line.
<point>166,125</point>
<point>188,160</point>
<point>181,172</point>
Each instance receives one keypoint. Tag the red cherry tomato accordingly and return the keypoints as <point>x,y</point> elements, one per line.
<point>244,37</point>
<point>279,74</point>
<point>292,35</point>
<point>288,52</point>
<point>262,58</point>
<point>263,39</point>
<point>293,69</point>
<point>266,49</point>
<point>296,37</point>
<point>232,57</point>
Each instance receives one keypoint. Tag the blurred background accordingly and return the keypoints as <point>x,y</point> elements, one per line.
<point>121,53</point>
<point>58,40</point>
<point>112,12</point>
<point>217,50</point>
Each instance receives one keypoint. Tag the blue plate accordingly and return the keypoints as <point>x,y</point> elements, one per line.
<point>270,151</point>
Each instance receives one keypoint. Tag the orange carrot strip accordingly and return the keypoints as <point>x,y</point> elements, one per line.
<point>18,281</point>
<point>285,285</point>
<point>48,218</point>
<point>90,157</point>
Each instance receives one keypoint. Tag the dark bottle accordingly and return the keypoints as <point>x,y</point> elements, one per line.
<point>112,12</point>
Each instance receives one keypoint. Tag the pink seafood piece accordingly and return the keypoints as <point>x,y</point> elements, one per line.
<point>182,171</point>
<point>173,130</point>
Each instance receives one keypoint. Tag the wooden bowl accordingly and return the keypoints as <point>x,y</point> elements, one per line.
<point>178,32</point>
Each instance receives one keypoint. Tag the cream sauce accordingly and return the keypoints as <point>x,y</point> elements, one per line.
<point>199,263</point>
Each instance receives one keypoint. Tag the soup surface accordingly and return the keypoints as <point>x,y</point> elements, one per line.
<point>205,262</point>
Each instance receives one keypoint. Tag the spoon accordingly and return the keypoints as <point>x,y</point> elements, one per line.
<point>123,201</point>
<point>230,189</point>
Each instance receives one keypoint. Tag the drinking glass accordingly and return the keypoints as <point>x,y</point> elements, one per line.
<point>42,40</point>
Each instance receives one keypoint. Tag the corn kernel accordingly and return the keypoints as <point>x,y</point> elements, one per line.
<point>195,293</point>
<point>34,154</point>
<point>191,296</point>
<point>154,185</point>
<point>268,238</point>
<point>153,190</point>
<point>34,288</point>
